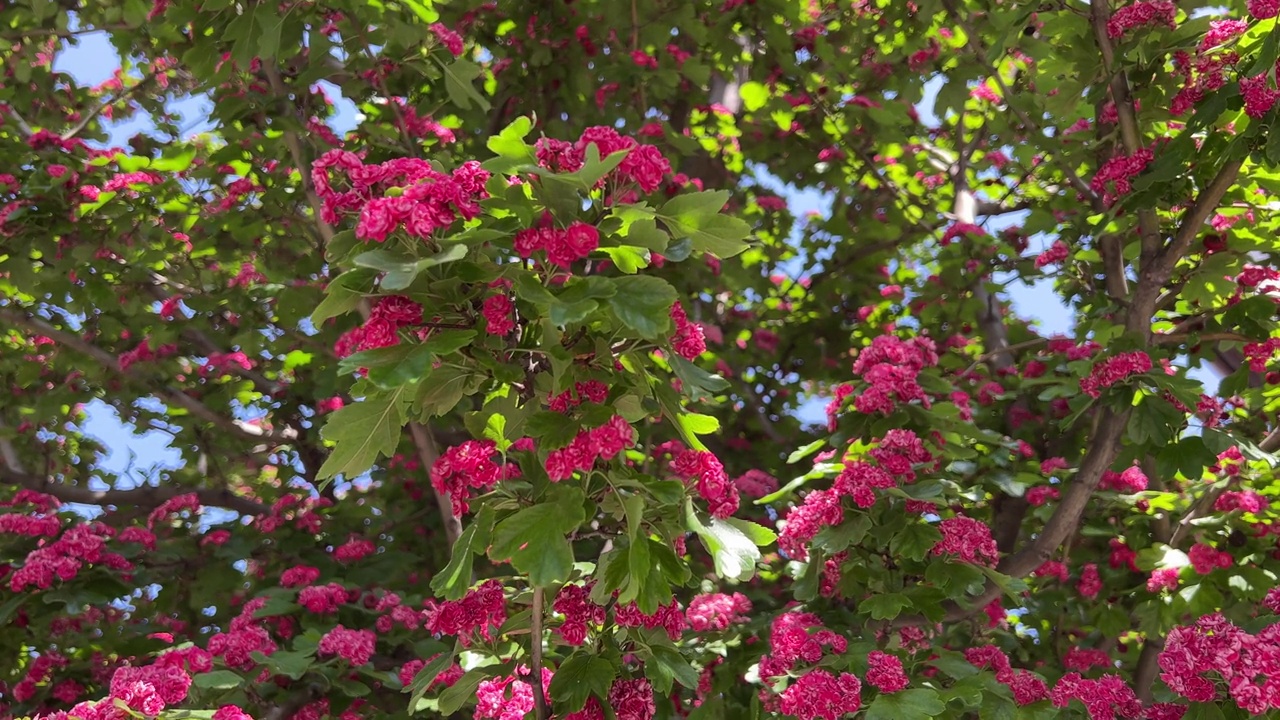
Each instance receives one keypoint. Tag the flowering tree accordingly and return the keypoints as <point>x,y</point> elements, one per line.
<point>497,404</point>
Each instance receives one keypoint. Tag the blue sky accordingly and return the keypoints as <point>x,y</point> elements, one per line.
<point>142,455</point>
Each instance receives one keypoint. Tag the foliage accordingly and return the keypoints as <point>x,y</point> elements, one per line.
<point>502,401</point>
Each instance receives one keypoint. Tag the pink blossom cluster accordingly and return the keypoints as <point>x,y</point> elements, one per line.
<point>1206,72</point>
<point>756,483</point>
<point>1162,579</point>
<point>1205,558</point>
<point>1245,663</point>
<point>446,678</point>
<point>245,635</point>
<point>668,617</point>
<point>712,483</point>
<point>299,576</point>
<point>1027,687</point>
<point>1112,370</point>
<point>798,637</point>
<point>562,247</point>
<point>1144,13</point>
<point>967,539</point>
<point>1243,500</point>
<point>1105,697</point>
<point>820,695</point>
<point>147,690</point>
<point>389,315</point>
<point>821,508</point>
<point>899,452</point>
<point>1260,95</point>
<point>1056,253</point>
<point>1083,659</point>
<point>482,610</point>
<point>1263,9</point>
<point>717,611</point>
<point>1090,581</point>
<point>597,444</point>
<point>1114,178</point>
<point>354,646</point>
<point>144,353</point>
<point>962,229</point>
<point>464,468</point>
<point>688,340</point>
<point>1260,354</point>
<point>508,698</point>
<point>629,700</point>
<point>403,192</point>
<point>1041,494</point>
<point>1132,480</point>
<point>885,672</point>
<point>64,558</point>
<point>323,599</point>
<point>643,166</point>
<point>590,391</point>
<point>499,315</point>
<point>580,614</point>
<point>889,367</point>
<point>859,481</point>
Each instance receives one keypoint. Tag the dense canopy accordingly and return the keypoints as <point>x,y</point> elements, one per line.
<point>507,381</point>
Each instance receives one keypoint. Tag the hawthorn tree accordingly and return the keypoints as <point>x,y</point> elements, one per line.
<point>494,405</point>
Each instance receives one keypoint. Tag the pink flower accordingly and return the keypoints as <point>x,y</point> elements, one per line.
<point>355,646</point>
<point>1112,370</point>
<point>1143,13</point>
<point>689,341</point>
<point>886,672</point>
<point>1055,254</point>
<point>1263,9</point>
<point>499,315</point>
<point>819,695</point>
<point>968,539</point>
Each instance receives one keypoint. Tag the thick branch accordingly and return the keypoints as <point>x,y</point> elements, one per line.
<point>145,497</point>
<point>1130,134</point>
<point>170,394</point>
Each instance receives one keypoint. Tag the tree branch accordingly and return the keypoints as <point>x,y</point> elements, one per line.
<point>169,394</point>
<point>145,497</point>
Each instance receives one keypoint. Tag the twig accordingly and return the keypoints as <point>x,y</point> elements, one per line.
<point>146,497</point>
<point>535,653</point>
<point>170,394</point>
<point>100,107</point>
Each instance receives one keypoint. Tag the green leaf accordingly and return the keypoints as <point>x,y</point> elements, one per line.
<point>594,168</point>
<point>452,582</point>
<point>362,432</point>
<point>1155,421</point>
<point>643,303</point>
<point>343,294</point>
<point>699,424</point>
<point>692,205</point>
<point>341,245</point>
<point>290,663</point>
<point>722,236</point>
<point>580,677</point>
<point>457,695</point>
<point>443,391</point>
<point>459,83</point>
<point>510,142</point>
<point>427,675</point>
<point>412,367</point>
<point>423,9</point>
<point>914,704</point>
<point>645,233</point>
<point>734,550</point>
<point>533,539</point>
<point>629,260</point>
<point>563,314</point>
<point>271,21</point>
<point>886,606</point>
<point>695,378</point>
<point>665,664</point>
<point>915,541</point>
<point>217,680</point>
<point>805,451</point>
<point>754,95</point>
